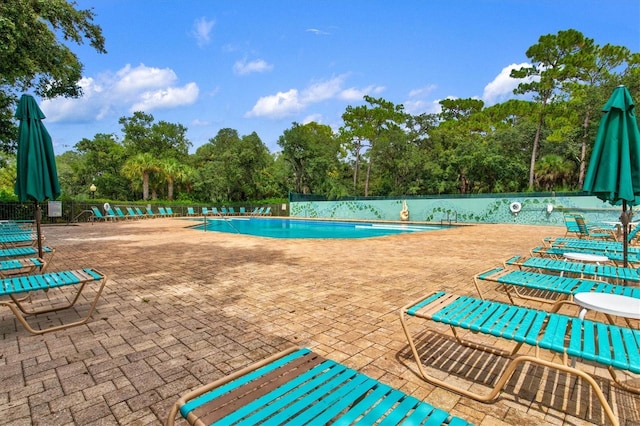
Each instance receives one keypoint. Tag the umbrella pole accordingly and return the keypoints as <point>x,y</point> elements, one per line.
<point>625,219</point>
<point>38,231</point>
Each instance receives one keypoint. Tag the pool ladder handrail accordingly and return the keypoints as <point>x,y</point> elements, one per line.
<point>448,219</point>
<point>228,221</point>
<point>223,219</point>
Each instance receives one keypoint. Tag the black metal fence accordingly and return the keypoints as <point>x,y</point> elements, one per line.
<point>64,212</point>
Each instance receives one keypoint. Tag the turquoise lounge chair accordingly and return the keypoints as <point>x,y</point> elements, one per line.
<point>580,269</point>
<point>513,281</point>
<point>558,252</point>
<point>120,213</point>
<point>9,230</point>
<point>9,226</point>
<point>242,211</point>
<point>596,244</point>
<point>576,224</point>
<point>132,214</point>
<point>170,211</point>
<point>112,214</point>
<point>597,233</point>
<point>571,225</point>
<point>141,214</point>
<point>609,346</point>
<point>18,252</point>
<point>16,287</point>
<point>23,266</point>
<point>97,215</point>
<point>17,240</point>
<point>150,212</point>
<point>300,387</point>
<point>205,211</point>
<point>190,211</point>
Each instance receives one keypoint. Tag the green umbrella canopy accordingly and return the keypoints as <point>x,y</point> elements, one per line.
<point>614,168</point>
<point>37,177</point>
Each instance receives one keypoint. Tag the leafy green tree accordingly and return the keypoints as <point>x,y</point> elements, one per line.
<point>400,162</point>
<point>169,140</point>
<point>595,79</point>
<point>229,168</point>
<point>255,161</point>
<point>311,151</point>
<point>67,164</point>
<point>631,75</point>
<point>353,136</point>
<point>161,139</point>
<point>553,64</point>
<point>100,163</point>
<point>457,136</point>
<point>7,176</point>
<point>364,125</point>
<point>137,133</point>
<point>460,110</point>
<point>33,57</point>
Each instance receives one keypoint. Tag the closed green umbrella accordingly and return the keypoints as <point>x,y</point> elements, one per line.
<point>614,168</point>
<point>37,175</point>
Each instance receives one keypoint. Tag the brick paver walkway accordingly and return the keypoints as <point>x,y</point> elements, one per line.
<point>185,307</point>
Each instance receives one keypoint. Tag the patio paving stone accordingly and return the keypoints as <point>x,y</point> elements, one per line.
<point>184,307</point>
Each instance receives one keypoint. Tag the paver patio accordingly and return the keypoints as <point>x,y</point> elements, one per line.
<point>185,307</point>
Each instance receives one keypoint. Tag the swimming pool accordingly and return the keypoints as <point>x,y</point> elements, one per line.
<point>303,228</point>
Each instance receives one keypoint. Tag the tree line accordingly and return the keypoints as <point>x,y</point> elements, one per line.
<point>539,144</point>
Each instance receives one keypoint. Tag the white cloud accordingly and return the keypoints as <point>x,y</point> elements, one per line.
<point>419,106</point>
<point>418,103</point>
<point>353,94</point>
<point>170,97</point>
<point>322,90</point>
<point>198,122</point>
<point>279,105</point>
<point>284,104</point>
<point>312,118</point>
<point>422,91</point>
<point>86,108</point>
<point>202,31</point>
<point>131,80</point>
<point>243,67</point>
<point>501,88</point>
<point>317,31</point>
<point>116,94</point>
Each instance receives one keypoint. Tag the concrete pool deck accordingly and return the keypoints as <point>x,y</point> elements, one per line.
<point>185,307</point>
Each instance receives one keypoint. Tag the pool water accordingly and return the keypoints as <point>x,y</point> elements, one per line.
<point>297,228</point>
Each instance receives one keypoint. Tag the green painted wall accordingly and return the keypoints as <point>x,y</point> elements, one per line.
<point>463,210</point>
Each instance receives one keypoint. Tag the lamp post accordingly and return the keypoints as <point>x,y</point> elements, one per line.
<point>93,188</point>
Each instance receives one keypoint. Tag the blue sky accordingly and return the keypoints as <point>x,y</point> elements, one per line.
<point>258,66</point>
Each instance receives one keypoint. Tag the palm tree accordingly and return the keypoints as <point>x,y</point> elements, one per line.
<point>552,171</point>
<point>141,165</point>
<point>173,171</point>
